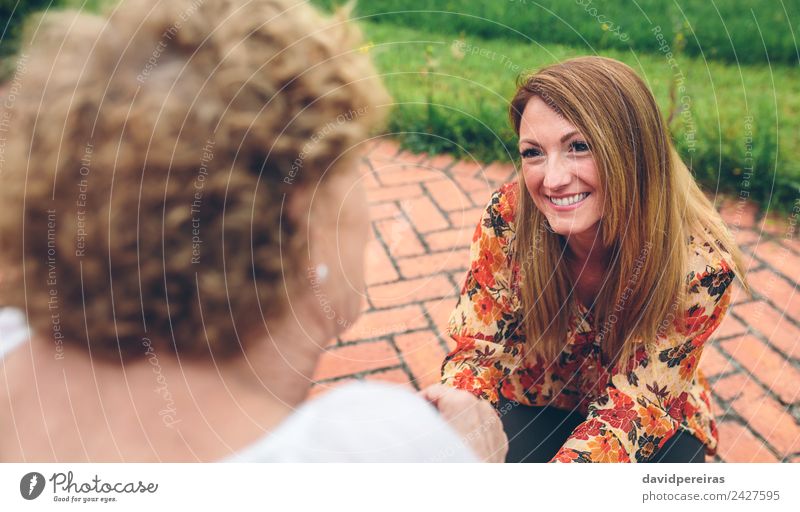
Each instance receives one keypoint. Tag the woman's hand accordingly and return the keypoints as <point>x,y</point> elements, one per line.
<point>474,419</point>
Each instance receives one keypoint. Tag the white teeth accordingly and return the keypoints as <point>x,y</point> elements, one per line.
<point>566,201</point>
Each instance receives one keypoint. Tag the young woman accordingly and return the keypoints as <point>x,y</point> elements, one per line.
<point>595,280</point>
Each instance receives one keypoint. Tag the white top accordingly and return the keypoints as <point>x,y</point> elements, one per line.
<point>359,422</point>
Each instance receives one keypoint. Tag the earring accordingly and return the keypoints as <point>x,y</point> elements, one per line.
<point>321,270</point>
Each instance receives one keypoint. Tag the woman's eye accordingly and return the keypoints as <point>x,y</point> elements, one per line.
<point>530,153</point>
<point>579,146</point>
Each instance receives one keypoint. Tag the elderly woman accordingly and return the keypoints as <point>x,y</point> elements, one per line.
<point>596,280</point>
<point>181,192</point>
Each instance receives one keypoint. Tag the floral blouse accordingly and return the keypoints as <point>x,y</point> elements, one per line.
<point>632,409</point>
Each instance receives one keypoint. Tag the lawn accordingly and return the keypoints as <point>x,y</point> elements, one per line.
<point>451,66</point>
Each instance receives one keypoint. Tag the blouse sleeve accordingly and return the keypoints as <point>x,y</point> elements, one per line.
<point>646,399</point>
<point>485,320</point>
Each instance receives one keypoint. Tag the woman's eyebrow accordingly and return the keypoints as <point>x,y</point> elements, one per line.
<point>570,134</point>
<point>563,138</point>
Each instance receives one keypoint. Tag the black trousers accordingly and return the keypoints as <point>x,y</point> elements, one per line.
<point>535,434</point>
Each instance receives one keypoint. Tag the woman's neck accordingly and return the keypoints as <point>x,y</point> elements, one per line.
<point>587,260</point>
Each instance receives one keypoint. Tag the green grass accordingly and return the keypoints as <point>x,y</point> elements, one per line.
<point>454,103</point>
<point>451,101</point>
<point>12,16</point>
<point>744,31</point>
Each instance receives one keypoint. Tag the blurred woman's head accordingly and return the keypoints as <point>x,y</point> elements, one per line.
<point>178,169</point>
<point>598,167</point>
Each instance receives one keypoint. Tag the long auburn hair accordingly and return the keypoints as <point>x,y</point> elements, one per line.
<point>652,205</point>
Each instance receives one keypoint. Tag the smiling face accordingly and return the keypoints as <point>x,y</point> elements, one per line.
<point>560,172</point>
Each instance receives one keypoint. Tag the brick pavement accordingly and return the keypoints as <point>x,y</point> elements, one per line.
<point>424,212</point>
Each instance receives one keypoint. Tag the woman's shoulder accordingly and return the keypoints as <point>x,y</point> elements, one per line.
<point>710,267</point>
<point>499,215</point>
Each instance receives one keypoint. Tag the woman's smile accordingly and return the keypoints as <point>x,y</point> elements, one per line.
<point>566,203</point>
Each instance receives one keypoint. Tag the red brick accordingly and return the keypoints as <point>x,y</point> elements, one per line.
<point>499,173</point>
<point>434,263</point>
<point>447,195</point>
<point>441,161</point>
<point>369,181</point>
<point>385,150</point>
<point>321,388</point>
<point>737,444</point>
<point>383,211</point>
<point>773,224</point>
<point>394,193</point>
<point>745,236</point>
<point>393,376</point>
<point>439,311</point>
<point>786,297</point>
<point>773,325</point>
<point>350,359</point>
<point>423,355</point>
<point>738,294</point>
<point>407,157</point>
<point>763,414</point>
<point>376,324</point>
<point>424,215</point>
<point>729,326</point>
<point>452,238</point>
<point>399,237</point>
<point>739,214</point>
<point>412,290</point>
<point>766,365</point>
<point>792,243</point>
<point>468,219</point>
<point>379,266</point>
<point>466,168</point>
<point>717,410</point>
<point>481,196</point>
<point>781,259</point>
<point>472,185</point>
<point>392,175</point>
<point>713,362</point>
<point>751,262</point>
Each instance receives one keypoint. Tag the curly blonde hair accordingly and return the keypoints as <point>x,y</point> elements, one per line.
<point>151,154</point>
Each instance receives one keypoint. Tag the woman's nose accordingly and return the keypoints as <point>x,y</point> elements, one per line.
<point>556,175</point>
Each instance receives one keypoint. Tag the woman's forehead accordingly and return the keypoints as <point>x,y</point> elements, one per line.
<point>540,121</point>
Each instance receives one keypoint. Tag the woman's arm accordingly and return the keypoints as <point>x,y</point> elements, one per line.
<point>646,400</point>
<point>485,322</point>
